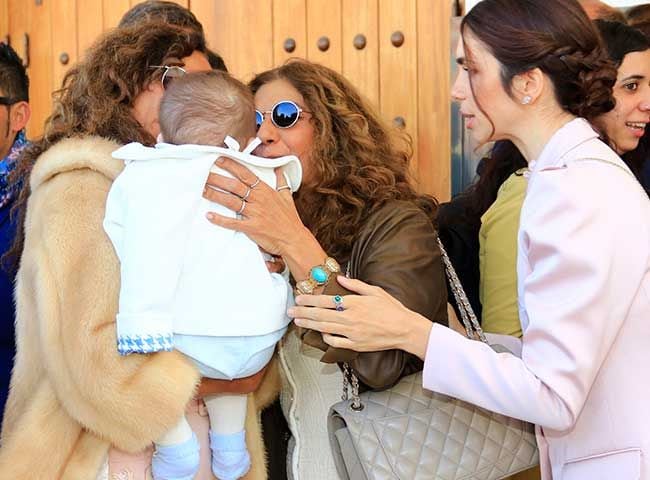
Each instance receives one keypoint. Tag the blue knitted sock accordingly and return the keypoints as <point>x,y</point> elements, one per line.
<point>176,462</point>
<point>230,458</point>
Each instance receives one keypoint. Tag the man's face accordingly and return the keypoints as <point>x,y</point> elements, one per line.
<point>13,119</point>
<point>7,136</point>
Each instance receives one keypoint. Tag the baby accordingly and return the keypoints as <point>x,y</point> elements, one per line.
<point>185,283</point>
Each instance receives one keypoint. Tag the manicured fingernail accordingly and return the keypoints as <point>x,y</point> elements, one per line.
<point>298,322</point>
<point>210,215</point>
<point>291,312</point>
<point>220,160</point>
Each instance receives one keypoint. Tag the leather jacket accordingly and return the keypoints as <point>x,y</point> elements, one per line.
<point>396,250</point>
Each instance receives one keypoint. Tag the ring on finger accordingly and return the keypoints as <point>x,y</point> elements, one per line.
<point>283,187</point>
<point>338,303</point>
<point>243,206</point>
<point>247,194</point>
<point>255,183</point>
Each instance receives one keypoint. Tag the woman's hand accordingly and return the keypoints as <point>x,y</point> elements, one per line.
<point>368,322</point>
<point>267,216</point>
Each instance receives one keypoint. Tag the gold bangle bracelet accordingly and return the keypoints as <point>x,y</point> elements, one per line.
<point>319,276</point>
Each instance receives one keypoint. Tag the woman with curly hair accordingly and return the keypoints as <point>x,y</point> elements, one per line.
<point>74,402</point>
<point>583,259</point>
<point>356,210</point>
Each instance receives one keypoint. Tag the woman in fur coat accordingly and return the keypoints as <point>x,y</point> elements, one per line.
<point>73,398</point>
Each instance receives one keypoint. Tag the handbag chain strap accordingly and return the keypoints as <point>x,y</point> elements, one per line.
<point>350,380</point>
<point>470,322</point>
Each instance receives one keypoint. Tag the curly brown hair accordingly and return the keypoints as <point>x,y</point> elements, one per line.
<point>359,162</point>
<point>97,96</point>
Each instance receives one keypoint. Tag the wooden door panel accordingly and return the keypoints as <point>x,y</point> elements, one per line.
<point>204,12</point>
<point>113,11</point>
<point>241,32</point>
<point>90,23</point>
<point>17,25</point>
<point>289,23</point>
<point>324,22</point>
<point>4,20</point>
<point>361,65</point>
<point>182,3</point>
<point>398,66</point>
<point>64,39</point>
<point>40,69</point>
<point>434,111</point>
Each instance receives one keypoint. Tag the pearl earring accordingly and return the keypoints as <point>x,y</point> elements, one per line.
<point>526,100</point>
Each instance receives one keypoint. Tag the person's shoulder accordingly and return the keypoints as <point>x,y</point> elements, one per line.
<point>91,155</point>
<point>395,216</point>
<point>397,210</point>
<point>69,186</point>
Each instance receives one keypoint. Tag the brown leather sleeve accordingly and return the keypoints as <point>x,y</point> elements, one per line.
<point>397,251</point>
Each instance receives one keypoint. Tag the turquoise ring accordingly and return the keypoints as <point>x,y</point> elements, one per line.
<point>338,303</point>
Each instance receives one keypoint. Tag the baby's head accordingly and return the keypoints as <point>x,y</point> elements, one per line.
<point>203,108</point>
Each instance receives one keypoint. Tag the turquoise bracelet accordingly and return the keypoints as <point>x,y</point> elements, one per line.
<point>318,276</point>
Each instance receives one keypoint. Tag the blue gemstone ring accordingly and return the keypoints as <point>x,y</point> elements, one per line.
<point>338,303</point>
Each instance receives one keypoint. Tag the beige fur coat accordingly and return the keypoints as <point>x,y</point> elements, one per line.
<point>72,396</point>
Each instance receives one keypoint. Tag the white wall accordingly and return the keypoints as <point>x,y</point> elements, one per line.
<point>615,3</point>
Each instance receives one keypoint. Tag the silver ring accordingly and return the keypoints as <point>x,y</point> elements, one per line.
<point>338,303</point>
<point>283,187</point>
<point>243,206</point>
<point>255,183</point>
<point>247,194</point>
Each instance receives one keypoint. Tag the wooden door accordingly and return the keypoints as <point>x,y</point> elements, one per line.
<point>396,52</point>
<point>433,94</point>
<point>4,21</point>
<point>360,40</point>
<point>24,18</point>
<point>398,69</point>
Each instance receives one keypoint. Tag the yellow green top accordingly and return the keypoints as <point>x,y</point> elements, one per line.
<point>498,258</point>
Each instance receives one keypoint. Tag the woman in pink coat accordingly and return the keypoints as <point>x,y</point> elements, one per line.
<point>532,70</point>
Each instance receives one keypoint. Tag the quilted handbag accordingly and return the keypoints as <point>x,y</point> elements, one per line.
<point>409,433</point>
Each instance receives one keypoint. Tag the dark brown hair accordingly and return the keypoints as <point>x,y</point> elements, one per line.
<point>555,36</point>
<point>621,39</point>
<point>360,163</point>
<point>14,82</point>
<point>203,107</point>
<point>638,14</point>
<point>596,9</point>
<point>97,96</point>
<point>170,12</point>
<point>162,11</point>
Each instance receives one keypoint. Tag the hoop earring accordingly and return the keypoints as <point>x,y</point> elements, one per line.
<point>526,100</point>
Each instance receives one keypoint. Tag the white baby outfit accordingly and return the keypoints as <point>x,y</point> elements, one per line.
<point>185,282</point>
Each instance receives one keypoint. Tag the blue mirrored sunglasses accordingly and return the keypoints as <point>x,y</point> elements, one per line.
<point>284,114</point>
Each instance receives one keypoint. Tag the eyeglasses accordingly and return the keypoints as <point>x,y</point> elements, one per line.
<point>171,72</point>
<point>284,114</point>
<point>8,101</point>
